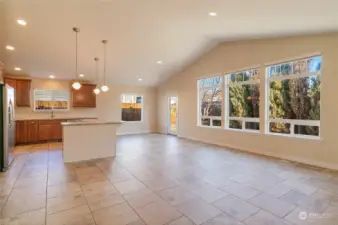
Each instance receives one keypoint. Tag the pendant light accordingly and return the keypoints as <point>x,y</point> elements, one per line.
<point>104,87</point>
<point>76,85</point>
<point>96,90</point>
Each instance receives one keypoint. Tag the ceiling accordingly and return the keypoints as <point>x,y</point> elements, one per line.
<point>142,32</point>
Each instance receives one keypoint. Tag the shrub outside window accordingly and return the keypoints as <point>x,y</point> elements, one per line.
<point>293,97</point>
<point>242,100</point>
<point>210,102</point>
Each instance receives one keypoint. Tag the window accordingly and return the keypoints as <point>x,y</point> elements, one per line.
<point>210,101</point>
<point>46,100</point>
<point>293,90</point>
<point>242,100</point>
<point>131,107</point>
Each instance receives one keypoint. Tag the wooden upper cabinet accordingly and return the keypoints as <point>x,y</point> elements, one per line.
<point>10,82</point>
<point>23,88</point>
<point>85,96</point>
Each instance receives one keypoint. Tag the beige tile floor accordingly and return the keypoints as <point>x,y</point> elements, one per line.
<point>157,179</point>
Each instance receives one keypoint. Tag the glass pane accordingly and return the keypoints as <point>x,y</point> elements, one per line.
<point>217,122</point>
<point>315,64</point>
<point>244,101</point>
<point>252,125</point>
<point>251,75</point>
<point>205,122</point>
<point>211,102</point>
<point>210,82</point>
<point>300,66</point>
<point>306,130</point>
<point>131,111</point>
<point>286,69</point>
<point>283,128</point>
<point>235,124</point>
<point>295,99</point>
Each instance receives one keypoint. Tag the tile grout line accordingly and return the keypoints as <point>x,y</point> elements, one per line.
<point>121,194</point>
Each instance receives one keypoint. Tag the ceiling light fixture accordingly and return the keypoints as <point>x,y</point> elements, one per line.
<point>51,76</point>
<point>104,87</point>
<point>81,75</point>
<point>139,79</point>
<point>17,68</point>
<point>212,13</point>
<point>76,85</point>
<point>9,47</point>
<point>159,62</point>
<point>96,90</point>
<point>22,22</point>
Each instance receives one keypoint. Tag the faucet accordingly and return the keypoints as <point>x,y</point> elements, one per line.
<point>52,113</point>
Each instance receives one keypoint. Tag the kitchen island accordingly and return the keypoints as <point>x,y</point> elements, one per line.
<point>87,140</point>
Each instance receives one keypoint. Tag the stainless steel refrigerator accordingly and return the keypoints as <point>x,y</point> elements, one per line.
<point>7,125</point>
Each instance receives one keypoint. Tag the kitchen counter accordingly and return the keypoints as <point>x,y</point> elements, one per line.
<point>59,118</point>
<point>87,140</point>
<point>94,122</point>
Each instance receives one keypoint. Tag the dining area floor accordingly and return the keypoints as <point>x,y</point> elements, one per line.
<point>164,180</point>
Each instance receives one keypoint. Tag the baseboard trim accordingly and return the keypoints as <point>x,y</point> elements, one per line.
<point>132,132</point>
<point>325,165</point>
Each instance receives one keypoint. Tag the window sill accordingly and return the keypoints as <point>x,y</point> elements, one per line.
<point>306,137</point>
<point>129,122</point>
<point>212,127</point>
<point>243,131</point>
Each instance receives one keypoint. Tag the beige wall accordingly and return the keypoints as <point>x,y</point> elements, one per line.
<point>108,106</point>
<point>237,55</point>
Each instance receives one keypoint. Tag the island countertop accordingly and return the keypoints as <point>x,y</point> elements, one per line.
<point>90,122</point>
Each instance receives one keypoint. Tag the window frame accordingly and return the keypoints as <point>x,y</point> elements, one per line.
<point>199,116</point>
<point>49,110</point>
<point>142,106</point>
<point>227,104</point>
<point>292,122</point>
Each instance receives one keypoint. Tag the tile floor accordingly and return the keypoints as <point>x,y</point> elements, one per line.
<point>157,179</point>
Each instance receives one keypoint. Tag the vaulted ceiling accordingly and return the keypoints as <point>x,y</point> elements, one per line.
<point>142,32</point>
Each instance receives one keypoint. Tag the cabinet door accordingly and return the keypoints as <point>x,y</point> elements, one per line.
<point>84,97</point>
<point>10,82</point>
<point>20,132</point>
<point>57,131</point>
<point>45,132</point>
<point>33,131</point>
<point>23,88</point>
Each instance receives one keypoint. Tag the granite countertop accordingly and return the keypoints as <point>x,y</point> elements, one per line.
<point>59,118</point>
<point>94,122</point>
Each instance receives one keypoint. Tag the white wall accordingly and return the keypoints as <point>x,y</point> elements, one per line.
<point>108,106</point>
<point>237,55</point>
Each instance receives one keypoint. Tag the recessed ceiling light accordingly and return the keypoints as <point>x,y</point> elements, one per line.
<point>51,76</point>
<point>212,13</point>
<point>159,62</point>
<point>139,79</point>
<point>22,22</point>
<point>9,47</point>
<point>17,68</point>
<point>81,75</point>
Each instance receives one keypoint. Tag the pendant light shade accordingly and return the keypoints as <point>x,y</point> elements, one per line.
<point>104,87</point>
<point>76,85</point>
<point>96,90</point>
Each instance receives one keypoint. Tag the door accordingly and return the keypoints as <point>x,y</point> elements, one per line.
<point>172,120</point>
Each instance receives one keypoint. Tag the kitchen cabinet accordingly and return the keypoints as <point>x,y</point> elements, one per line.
<point>21,132</point>
<point>32,131</point>
<point>85,96</point>
<point>11,82</point>
<point>22,90</point>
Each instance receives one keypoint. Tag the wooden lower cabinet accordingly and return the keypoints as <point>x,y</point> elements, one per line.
<point>34,131</point>
<point>21,132</point>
